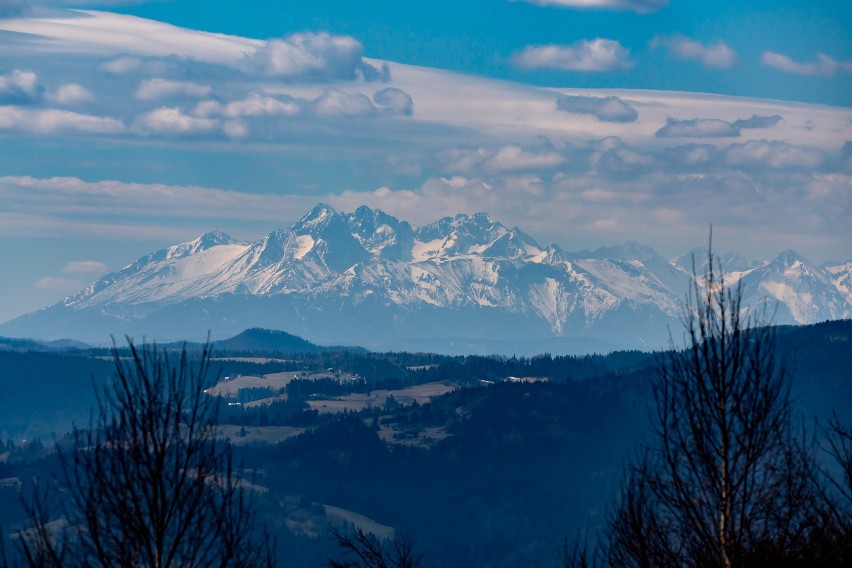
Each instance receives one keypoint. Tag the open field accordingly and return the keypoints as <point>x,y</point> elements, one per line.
<point>231,386</point>
<point>378,398</point>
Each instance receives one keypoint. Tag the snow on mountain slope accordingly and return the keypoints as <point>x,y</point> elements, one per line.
<point>804,292</point>
<point>174,273</point>
<point>841,277</point>
<point>369,272</point>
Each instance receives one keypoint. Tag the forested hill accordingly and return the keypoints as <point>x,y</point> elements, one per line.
<point>517,454</point>
<point>45,388</point>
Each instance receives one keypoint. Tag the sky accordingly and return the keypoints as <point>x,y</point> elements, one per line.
<point>126,127</point>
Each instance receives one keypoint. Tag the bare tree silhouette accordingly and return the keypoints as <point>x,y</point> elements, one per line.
<point>365,550</point>
<point>725,481</point>
<point>148,483</point>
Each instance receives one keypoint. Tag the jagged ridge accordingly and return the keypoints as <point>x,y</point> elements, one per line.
<point>369,265</point>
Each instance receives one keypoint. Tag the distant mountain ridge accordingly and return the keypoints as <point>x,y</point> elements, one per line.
<point>368,278</point>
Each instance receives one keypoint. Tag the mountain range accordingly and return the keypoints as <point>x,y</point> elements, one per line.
<point>461,284</point>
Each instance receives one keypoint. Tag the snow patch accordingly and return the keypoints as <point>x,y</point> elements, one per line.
<point>305,245</point>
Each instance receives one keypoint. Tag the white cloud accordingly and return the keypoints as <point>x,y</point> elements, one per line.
<point>691,156</point>
<point>235,129</point>
<point>109,34</point>
<point>394,101</point>
<point>334,102</point>
<point>121,65</point>
<point>773,154</point>
<point>513,158</point>
<point>255,104</point>
<point>507,158</point>
<point>606,109</point>
<point>584,55</point>
<point>641,6</point>
<point>746,204</point>
<point>315,56</point>
<point>19,87</point>
<point>76,269</point>
<point>54,121</point>
<point>330,102</point>
<point>824,66</point>
<point>624,160</point>
<point>84,267</point>
<point>153,89</point>
<point>717,55</point>
<point>71,94</point>
<point>173,121</point>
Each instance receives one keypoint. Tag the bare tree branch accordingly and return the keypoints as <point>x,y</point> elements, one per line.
<point>725,479</point>
<point>365,550</point>
<point>148,483</point>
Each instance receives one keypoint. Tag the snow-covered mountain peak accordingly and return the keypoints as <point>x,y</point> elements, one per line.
<point>513,244</point>
<point>789,257</point>
<point>315,218</point>
<point>793,265</point>
<point>803,292</point>
<point>365,217</point>
<point>382,235</point>
<point>475,225</point>
<point>204,242</point>
<point>840,275</point>
<point>461,235</point>
<point>466,274</point>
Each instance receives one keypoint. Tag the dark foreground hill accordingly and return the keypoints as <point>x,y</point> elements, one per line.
<point>495,473</point>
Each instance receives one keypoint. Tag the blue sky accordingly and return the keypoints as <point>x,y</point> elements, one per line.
<point>137,125</point>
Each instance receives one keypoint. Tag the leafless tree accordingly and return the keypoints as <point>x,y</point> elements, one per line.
<point>576,555</point>
<point>832,535</point>
<point>365,550</point>
<point>725,479</point>
<point>148,483</point>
